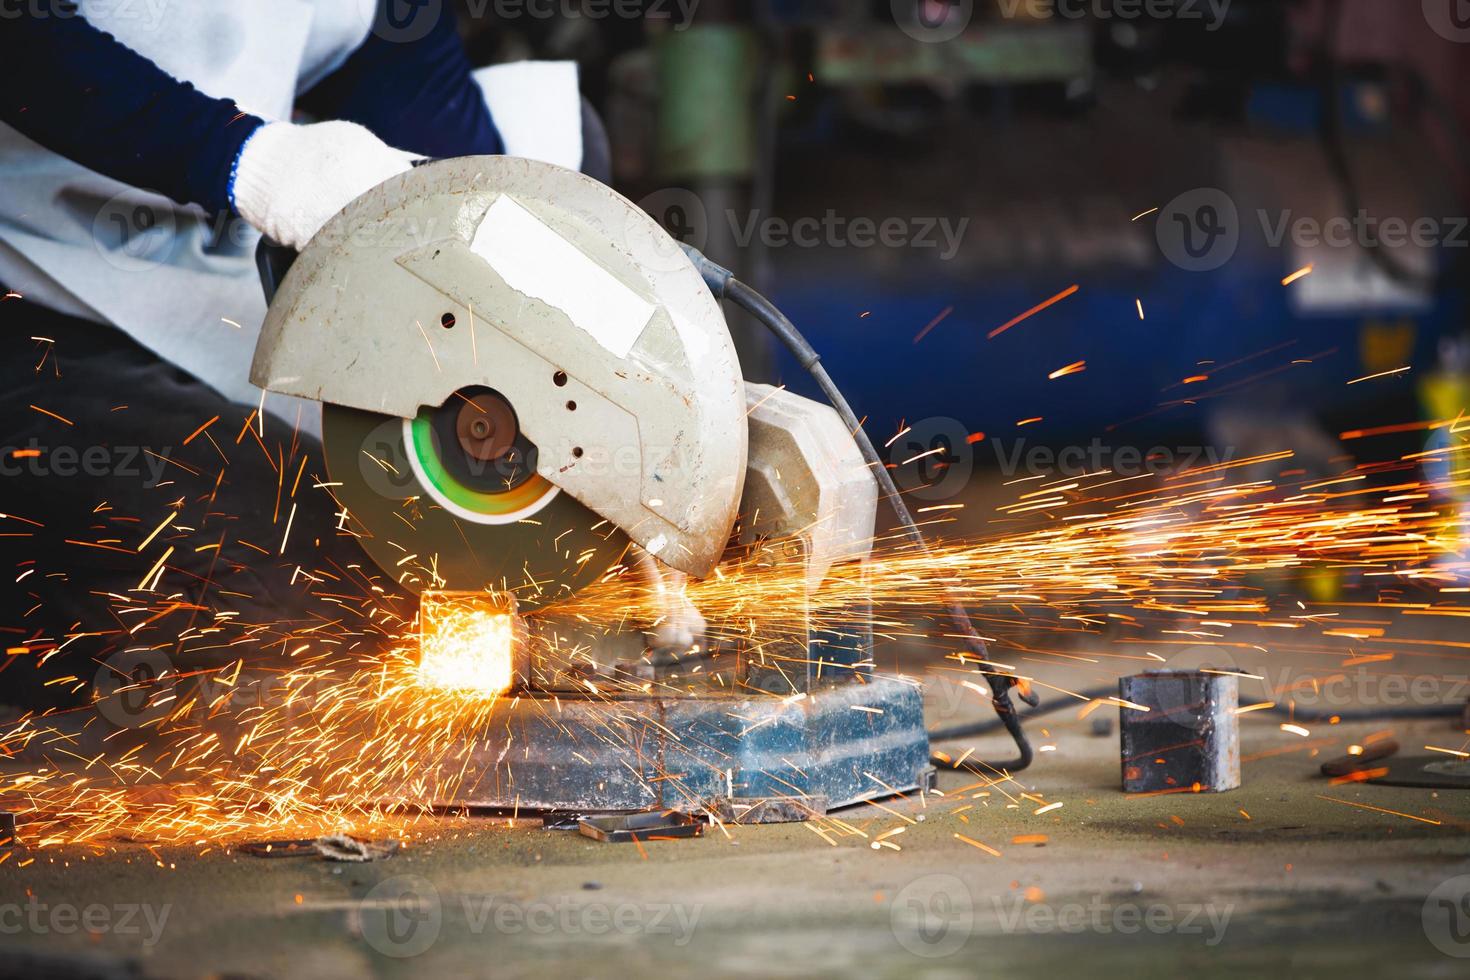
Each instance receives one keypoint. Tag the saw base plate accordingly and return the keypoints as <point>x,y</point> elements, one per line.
<point>757,759</point>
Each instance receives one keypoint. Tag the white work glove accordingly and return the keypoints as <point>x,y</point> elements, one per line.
<point>290,180</point>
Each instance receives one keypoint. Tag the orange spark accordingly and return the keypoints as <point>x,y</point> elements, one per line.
<point>1298,274</point>
<point>53,415</point>
<point>1076,367</point>
<point>1381,374</point>
<point>1069,291</point>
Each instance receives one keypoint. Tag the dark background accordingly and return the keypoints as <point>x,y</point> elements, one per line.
<point>1048,128</point>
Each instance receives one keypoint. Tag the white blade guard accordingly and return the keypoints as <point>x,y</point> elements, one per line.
<point>553,290</point>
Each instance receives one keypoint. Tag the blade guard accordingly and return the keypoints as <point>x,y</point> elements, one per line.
<point>554,290</point>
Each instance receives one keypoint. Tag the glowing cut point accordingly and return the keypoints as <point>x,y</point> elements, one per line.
<point>467,643</point>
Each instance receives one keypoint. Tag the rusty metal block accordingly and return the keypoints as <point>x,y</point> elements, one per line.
<point>1189,738</point>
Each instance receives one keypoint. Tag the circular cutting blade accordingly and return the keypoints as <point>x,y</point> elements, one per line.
<point>433,516</point>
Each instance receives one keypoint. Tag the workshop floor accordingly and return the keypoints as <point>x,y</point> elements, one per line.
<point>1288,875</point>
<point>1280,875</point>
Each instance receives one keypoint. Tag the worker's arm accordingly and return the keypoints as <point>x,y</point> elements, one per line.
<point>80,92</point>
<point>416,94</point>
<point>405,86</point>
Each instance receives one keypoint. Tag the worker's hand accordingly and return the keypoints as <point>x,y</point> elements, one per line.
<point>290,180</point>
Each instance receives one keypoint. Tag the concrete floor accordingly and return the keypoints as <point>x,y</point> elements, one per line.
<point>1283,876</point>
<point>1143,886</point>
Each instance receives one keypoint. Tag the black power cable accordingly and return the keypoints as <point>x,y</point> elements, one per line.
<point>724,285</point>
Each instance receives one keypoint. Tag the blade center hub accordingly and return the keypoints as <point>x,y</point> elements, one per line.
<point>486,426</point>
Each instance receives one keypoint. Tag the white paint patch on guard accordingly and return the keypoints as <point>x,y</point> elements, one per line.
<point>535,260</point>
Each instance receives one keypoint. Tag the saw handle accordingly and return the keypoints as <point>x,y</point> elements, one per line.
<point>273,261</point>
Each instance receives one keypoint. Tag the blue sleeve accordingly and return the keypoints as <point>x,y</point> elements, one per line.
<point>410,84</point>
<point>80,92</point>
